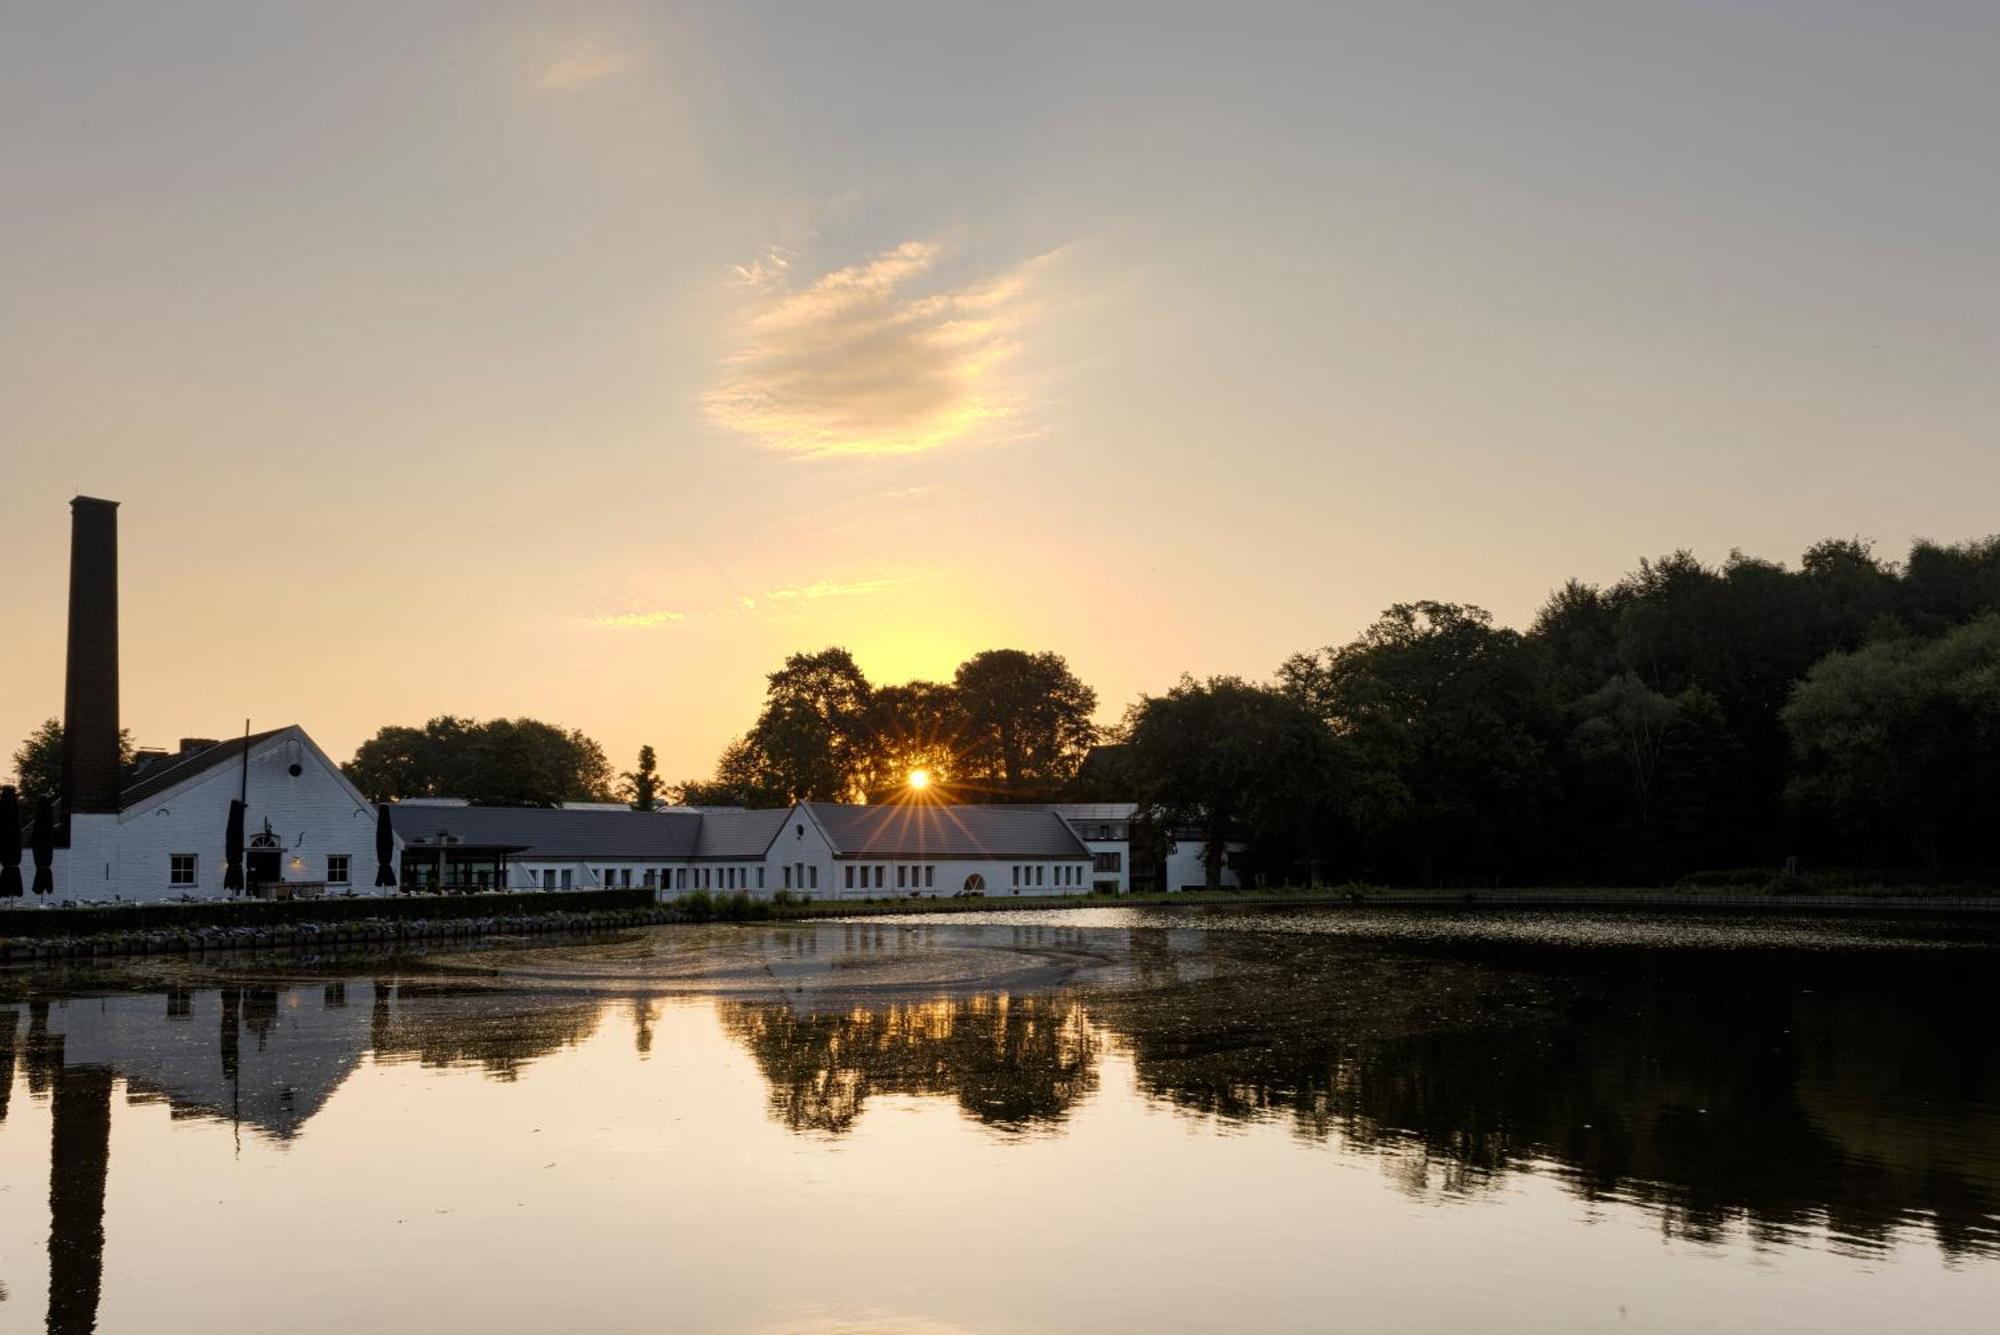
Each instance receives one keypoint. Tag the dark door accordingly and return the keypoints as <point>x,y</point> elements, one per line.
<point>261,866</point>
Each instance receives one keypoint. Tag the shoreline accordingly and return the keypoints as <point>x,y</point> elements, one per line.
<point>454,923</point>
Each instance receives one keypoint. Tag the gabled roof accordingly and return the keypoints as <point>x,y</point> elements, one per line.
<point>541,832</point>
<point>923,830</point>
<point>168,771</point>
<point>739,834</point>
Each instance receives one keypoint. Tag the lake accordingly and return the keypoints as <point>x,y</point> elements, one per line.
<point>1086,1120</point>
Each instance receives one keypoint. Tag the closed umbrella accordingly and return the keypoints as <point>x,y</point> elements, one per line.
<point>45,846</point>
<point>385,847</point>
<point>232,849</point>
<point>10,844</point>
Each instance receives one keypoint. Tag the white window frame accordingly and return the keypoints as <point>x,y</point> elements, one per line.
<point>346,861</point>
<point>174,877</point>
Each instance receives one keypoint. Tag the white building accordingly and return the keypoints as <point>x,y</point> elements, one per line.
<point>1106,828</point>
<point>306,829</point>
<point>158,829</point>
<point>813,850</point>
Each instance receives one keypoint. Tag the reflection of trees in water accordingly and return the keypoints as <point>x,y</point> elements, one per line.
<point>1008,1061</point>
<point>446,1025</point>
<point>1776,1092</point>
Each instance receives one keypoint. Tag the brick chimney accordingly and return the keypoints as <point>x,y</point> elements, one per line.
<point>90,778</point>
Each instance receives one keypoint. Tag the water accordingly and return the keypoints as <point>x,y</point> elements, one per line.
<point>1095,1120</point>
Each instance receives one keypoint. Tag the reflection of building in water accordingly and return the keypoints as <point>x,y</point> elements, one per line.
<point>264,1058</point>
<point>1008,1061</point>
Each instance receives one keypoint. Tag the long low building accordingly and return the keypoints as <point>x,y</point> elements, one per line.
<point>813,850</point>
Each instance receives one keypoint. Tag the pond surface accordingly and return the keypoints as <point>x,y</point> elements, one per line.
<point>1093,1120</point>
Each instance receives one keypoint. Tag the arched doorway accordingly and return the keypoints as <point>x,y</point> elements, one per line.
<point>975,884</point>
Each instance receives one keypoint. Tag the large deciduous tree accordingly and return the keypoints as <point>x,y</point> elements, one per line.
<point>1447,718</point>
<point>502,762</point>
<point>1236,761</point>
<point>1025,719</point>
<point>1899,742</point>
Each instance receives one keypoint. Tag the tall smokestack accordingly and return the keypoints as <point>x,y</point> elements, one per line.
<point>90,777</point>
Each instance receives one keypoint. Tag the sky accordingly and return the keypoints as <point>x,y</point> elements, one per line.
<point>581,361</point>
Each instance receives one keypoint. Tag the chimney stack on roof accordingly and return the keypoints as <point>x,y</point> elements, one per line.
<point>90,777</point>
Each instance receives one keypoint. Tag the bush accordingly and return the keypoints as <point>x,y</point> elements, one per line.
<point>699,906</point>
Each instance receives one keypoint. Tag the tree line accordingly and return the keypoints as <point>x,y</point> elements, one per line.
<point>1686,718</point>
<point>1683,719</point>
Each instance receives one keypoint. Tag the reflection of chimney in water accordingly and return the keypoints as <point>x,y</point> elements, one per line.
<point>9,1022</point>
<point>90,771</point>
<point>79,1160</point>
<point>43,1050</point>
<point>231,1031</point>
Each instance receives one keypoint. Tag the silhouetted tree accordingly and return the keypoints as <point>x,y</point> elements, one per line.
<point>38,761</point>
<point>1238,762</point>
<point>642,785</point>
<point>1026,720</point>
<point>502,762</point>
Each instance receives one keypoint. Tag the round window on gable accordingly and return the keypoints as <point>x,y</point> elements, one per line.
<point>295,769</point>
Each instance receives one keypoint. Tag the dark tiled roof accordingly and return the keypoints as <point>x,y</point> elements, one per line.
<point>166,771</point>
<point>542,832</point>
<point>920,830</point>
<point>738,834</point>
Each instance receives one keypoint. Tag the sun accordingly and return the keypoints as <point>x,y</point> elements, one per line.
<point>920,778</point>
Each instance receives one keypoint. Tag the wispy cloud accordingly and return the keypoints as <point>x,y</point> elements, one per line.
<point>858,363</point>
<point>829,589</point>
<point>641,620</point>
<point>582,64</point>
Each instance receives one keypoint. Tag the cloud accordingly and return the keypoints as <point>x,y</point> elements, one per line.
<point>857,363</point>
<point>582,64</point>
<point>641,620</point>
<point>829,589</point>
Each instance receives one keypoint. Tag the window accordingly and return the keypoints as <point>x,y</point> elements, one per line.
<point>548,878</point>
<point>336,868</point>
<point>181,868</point>
<point>849,881</point>
<point>901,872</point>
<point>760,878</point>
<point>812,877</point>
<point>625,878</point>
<point>1017,875</point>
<point>930,878</point>
<point>788,876</point>
<point>568,879</point>
<point>1104,832</point>
<point>878,877</point>
<point>1041,876</point>
<point>1109,861</point>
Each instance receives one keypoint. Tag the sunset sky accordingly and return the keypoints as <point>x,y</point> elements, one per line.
<point>582,360</point>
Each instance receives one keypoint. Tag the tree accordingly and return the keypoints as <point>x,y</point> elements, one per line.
<point>503,762</point>
<point>1236,760</point>
<point>1445,717</point>
<point>38,761</point>
<point>806,741</point>
<point>642,785</point>
<point>1026,720</point>
<point>1899,741</point>
<point>915,726</point>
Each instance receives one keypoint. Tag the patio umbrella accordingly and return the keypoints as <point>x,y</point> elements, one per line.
<point>45,845</point>
<point>10,844</point>
<point>232,849</point>
<point>385,847</point>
